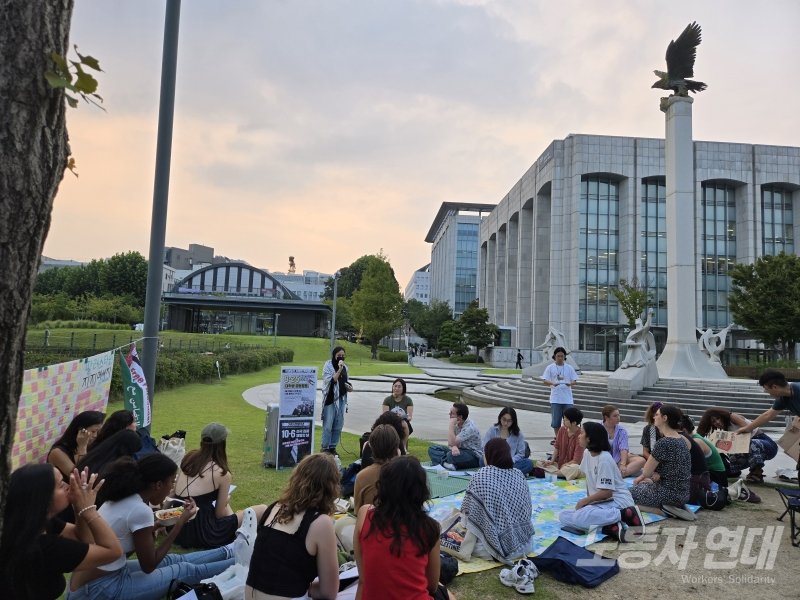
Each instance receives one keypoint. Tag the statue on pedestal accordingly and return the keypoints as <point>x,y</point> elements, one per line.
<point>712,344</point>
<point>554,339</point>
<point>681,54</point>
<point>641,344</point>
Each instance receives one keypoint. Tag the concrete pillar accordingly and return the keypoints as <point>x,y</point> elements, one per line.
<point>681,357</point>
<point>525,259</point>
<point>500,285</point>
<point>512,276</point>
<point>491,276</point>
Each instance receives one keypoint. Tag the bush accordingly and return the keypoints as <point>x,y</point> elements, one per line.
<point>465,358</point>
<point>82,324</point>
<point>438,354</point>
<point>389,356</point>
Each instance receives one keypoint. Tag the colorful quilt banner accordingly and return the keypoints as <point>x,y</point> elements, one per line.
<point>51,396</point>
<point>134,388</point>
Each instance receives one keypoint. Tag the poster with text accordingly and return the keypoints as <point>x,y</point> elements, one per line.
<point>298,391</point>
<point>294,441</point>
<point>51,397</point>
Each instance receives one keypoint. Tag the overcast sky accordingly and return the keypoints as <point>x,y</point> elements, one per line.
<point>329,129</point>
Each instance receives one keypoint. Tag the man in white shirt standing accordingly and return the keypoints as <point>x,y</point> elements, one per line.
<point>560,377</point>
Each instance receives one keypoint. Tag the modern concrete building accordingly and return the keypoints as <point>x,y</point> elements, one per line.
<point>591,211</point>
<point>454,254</point>
<point>419,286</point>
<point>308,286</point>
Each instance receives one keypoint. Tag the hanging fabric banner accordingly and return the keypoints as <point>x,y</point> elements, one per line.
<point>134,388</point>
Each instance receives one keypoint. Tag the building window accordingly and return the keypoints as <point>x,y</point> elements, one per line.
<point>599,243</point>
<point>718,250</point>
<point>653,245</point>
<point>466,265</point>
<point>777,221</point>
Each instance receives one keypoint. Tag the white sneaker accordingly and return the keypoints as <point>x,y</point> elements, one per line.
<point>449,466</point>
<point>510,577</point>
<point>525,585</point>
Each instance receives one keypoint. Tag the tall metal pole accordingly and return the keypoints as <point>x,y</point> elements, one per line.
<point>333,318</point>
<point>158,221</point>
<point>276,316</point>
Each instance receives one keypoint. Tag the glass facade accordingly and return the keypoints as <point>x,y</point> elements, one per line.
<point>718,250</point>
<point>653,245</point>
<point>467,242</point>
<point>777,221</point>
<point>598,271</point>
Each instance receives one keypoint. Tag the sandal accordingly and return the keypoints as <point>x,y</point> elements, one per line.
<point>755,476</point>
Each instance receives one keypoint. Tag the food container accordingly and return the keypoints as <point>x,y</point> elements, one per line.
<point>169,516</point>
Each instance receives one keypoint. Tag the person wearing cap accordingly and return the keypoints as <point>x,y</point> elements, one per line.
<point>204,477</point>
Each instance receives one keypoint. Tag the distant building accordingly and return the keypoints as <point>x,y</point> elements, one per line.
<point>46,264</point>
<point>454,254</point>
<point>195,257</point>
<point>308,286</point>
<point>419,286</point>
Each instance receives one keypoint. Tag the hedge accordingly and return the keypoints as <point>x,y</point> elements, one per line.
<point>179,368</point>
<point>465,358</point>
<point>389,356</point>
<point>81,324</point>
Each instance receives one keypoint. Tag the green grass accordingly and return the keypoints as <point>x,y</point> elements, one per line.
<point>501,371</point>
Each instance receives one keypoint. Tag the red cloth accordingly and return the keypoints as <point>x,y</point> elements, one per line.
<point>569,450</point>
<point>385,576</point>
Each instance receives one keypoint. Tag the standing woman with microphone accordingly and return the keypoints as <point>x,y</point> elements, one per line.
<point>334,399</point>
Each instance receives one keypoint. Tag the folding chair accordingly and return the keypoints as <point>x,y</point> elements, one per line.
<point>791,500</point>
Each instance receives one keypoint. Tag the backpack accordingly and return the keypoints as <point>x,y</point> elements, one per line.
<point>570,563</point>
<point>203,591</point>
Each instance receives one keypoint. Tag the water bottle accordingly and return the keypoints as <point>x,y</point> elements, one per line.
<point>338,462</point>
<point>714,487</point>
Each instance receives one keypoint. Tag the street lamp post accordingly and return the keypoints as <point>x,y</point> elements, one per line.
<point>275,330</point>
<point>333,317</point>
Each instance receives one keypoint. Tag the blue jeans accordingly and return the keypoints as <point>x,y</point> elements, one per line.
<point>466,459</point>
<point>525,465</point>
<point>332,423</point>
<point>130,583</point>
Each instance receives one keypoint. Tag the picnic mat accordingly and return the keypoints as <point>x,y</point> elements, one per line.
<point>547,499</point>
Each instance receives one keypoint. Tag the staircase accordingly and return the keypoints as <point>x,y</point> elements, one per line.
<point>591,393</point>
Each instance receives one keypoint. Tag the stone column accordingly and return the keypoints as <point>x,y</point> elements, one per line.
<point>681,357</point>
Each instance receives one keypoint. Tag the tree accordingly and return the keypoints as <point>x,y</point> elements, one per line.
<point>633,299</point>
<point>451,338</point>
<point>34,152</point>
<point>377,304</point>
<point>350,277</point>
<point>477,330</point>
<point>763,299</point>
<point>125,274</point>
<point>427,320</point>
<point>344,315</point>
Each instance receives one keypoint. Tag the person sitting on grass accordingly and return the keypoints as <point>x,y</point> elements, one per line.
<point>663,486</point>
<point>296,540</point>
<point>394,421</point>
<point>385,446</point>
<point>629,464</point>
<point>36,547</point>
<point>464,447</point>
<point>497,507</point>
<point>762,447</point>
<point>507,428</point>
<point>71,447</point>
<point>608,503</point>
<point>130,487</point>
<point>650,433</point>
<point>205,477</point>
<point>567,449</point>
<point>396,543</point>
<point>116,421</point>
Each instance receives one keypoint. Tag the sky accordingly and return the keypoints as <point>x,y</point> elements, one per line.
<point>330,129</point>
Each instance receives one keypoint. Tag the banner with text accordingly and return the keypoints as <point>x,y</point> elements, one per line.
<point>51,396</point>
<point>298,394</point>
<point>134,388</point>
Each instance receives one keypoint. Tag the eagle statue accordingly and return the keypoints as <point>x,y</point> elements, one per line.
<point>681,54</point>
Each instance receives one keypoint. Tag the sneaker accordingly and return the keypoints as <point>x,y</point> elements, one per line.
<point>632,517</point>
<point>449,466</point>
<point>614,531</point>
<point>510,577</point>
<point>529,567</point>
<point>679,512</point>
<point>752,497</point>
<point>525,585</point>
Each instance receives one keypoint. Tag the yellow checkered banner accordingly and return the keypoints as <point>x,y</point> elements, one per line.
<point>51,397</point>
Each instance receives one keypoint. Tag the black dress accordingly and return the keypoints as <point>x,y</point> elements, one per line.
<point>207,530</point>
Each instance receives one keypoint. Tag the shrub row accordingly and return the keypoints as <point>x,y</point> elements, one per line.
<point>179,368</point>
<point>465,358</point>
<point>389,356</point>
<point>82,324</point>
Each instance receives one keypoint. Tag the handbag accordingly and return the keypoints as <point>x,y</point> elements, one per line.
<point>203,591</point>
<point>173,448</point>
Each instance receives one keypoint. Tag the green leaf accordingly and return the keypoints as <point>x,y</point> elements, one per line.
<point>85,83</point>
<point>72,101</point>
<point>91,62</point>
<point>55,81</point>
<point>60,61</point>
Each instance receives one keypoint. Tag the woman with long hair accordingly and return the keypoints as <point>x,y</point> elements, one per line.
<point>629,464</point>
<point>116,421</point>
<point>396,543</point>
<point>762,447</point>
<point>567,449</point>
<point>497,507</point>
<point>507,428</point>
<point>385,445</point>
<point>665,479</point>
<point>206,478</point>
<point>36,548</point>
<point>296,541</point>
<point>399,402</point>
<point>119,444</point>
<point>71,447</point>
<point>131,486</point>
<point>335,387</point>
<point>608,503</point>
<point>650,433</point>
